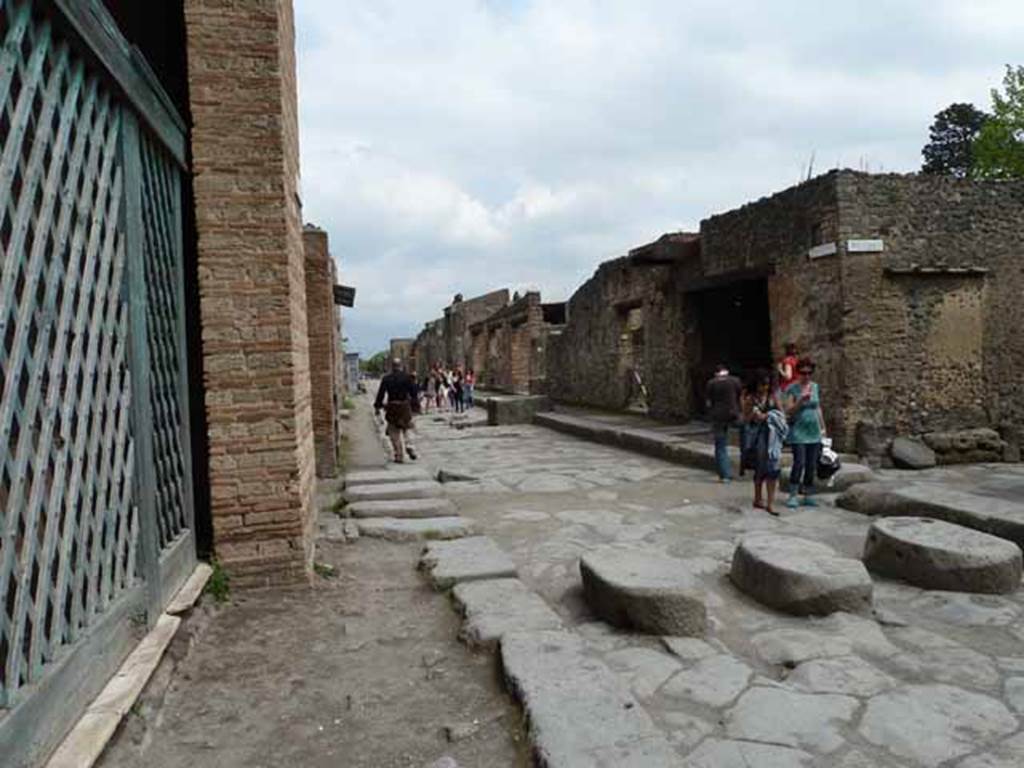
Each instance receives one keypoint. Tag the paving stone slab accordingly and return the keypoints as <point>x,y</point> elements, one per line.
<point>848,675</point>
<point>934,554</point>
<point>470,559</point>
<point>418,529</point>
<point>714,681</point>
<point>393,474</point>
<point>580,715</point>
<point>417,489</point>
<point>799,576</point>
<point>999,517</point>
<point>731,753</point>
<point>934,723</point>
<point>406,508</point>
<point>1006,754</point>
<point>494,607</point>
<point>802,720</point>
<point>643,590</point>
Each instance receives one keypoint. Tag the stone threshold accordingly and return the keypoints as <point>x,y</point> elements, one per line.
<point>86,741</point>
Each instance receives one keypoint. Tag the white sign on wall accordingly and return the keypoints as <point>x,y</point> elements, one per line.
<point>825,249</point>
<point>864,246</point>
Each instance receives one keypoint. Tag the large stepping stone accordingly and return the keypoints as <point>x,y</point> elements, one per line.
<point>401,529</point>
<point>909,453</point>
<point>643,590</point>
<point>418,489</point>
<point>395,474</point>
<point>934,554</point>
<point>799,576</point>
<point>402,508</point>
<point>471,559</point>
<point>495,607</point>
<point>580,715</point>
<point>1000,517</point>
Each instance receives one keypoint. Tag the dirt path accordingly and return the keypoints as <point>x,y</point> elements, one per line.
<point>363,669</point>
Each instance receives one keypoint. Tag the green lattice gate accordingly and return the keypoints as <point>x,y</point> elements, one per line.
<point>96,526</point>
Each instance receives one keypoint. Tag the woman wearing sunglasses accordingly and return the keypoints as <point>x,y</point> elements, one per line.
<point>806,430</point>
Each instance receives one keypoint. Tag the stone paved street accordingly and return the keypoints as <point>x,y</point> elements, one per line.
<point>928,678</point>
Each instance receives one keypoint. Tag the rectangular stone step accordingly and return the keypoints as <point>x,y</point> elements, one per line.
<point>1000,517</point>
<point>471,559</point>
<point>405,508</point>
<point>494,607</point>
<point>580,713</point>
<point>384,491</point>
<point>395,529</point>
<point>393,474</point>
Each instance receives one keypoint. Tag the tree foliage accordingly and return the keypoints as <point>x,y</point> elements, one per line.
<point>999,148</point>
<point>375,365</point>
<point>951,148</point>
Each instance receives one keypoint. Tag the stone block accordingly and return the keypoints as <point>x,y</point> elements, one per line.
<point>494,607</point>
<point>799,576</point>
<point>396,529</point>
<point>908,453</point>
<point>402,508</point>
<point>416,489</point>
<point>396,473</point>
<point>933,554</point>
<point>643,590</point>
<point>515,409</point>
<point>471,559</point>
<point>579,712</point>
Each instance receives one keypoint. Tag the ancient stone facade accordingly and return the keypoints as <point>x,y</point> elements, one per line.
<point>241,67</point>
<point>626,326</point>
<point>447,340</point>
<point>401,349</point>
<point>904,289</point>
<point>508,350</point>
<point>325,350</point>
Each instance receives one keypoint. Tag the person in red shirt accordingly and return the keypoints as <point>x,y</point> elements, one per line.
<point>787,367</point>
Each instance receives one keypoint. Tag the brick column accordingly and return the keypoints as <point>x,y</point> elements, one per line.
<point>242,89</point>
<point>322,349</point>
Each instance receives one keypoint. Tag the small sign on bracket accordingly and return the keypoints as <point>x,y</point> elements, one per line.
<point>344,296</point>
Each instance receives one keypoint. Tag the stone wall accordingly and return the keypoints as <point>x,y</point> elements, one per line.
<point>629,315</point>
<point>448,340</point>
<point>252,286</point>
<point>401,349</point>
<point>509,348</point>
<point>933,321</point>
<point>324,350</point>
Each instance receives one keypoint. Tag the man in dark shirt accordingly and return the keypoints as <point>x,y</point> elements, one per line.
<point>723,401</point>
<point>401,392</point>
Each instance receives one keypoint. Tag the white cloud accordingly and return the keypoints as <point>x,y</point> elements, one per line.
<point>464,145</point>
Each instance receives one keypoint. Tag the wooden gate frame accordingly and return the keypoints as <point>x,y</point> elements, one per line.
<point>42,711</point>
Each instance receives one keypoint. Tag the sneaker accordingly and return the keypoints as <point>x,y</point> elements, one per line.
<point>792,502</point>
<point>411,451</point>
<point>809,501</point>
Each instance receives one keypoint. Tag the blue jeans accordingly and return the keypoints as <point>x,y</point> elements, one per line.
<point>721,434</point>
<point>805,464</point>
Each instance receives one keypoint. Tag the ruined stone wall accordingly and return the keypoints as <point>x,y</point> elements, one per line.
<point>460,316</point>
<point>401,349</point>
<point>252,286</point>
<point>323,351</point>
<point>590,360</point>
<point>429,347</point>
<point>931,344</point>
<point>771,239</point>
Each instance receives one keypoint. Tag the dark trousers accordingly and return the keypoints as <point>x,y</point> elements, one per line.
<point>805,464</point>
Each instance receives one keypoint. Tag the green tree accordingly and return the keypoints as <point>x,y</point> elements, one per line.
<point>376,364</point>
<point>999,148</point>
<point>950,152</point>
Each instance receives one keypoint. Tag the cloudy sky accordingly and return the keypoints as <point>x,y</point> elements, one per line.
<point>465,145</point>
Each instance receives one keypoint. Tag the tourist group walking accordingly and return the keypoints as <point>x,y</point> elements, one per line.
<point>448,389</point>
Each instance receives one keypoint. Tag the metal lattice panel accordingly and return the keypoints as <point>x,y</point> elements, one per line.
<point>68,536</point>
<point>161,196</point>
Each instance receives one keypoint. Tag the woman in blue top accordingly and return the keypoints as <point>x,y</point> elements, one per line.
<point>802,400</point>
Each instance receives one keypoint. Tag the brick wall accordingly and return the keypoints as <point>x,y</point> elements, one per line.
<point>252,286</point>
<point>323,349</point>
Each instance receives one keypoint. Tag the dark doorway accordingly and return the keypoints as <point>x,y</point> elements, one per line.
<point>734,326</point>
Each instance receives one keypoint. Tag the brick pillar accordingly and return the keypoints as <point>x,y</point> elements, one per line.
<point>242,88</point>
<point>323,357</point>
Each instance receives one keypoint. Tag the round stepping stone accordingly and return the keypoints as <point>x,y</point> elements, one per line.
<point>934,554</point>
<point>805,578</point>
<point>643,590</point>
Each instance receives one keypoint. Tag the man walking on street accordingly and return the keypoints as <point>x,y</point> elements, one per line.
<point>400,391</point>
<point>723,401</point>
